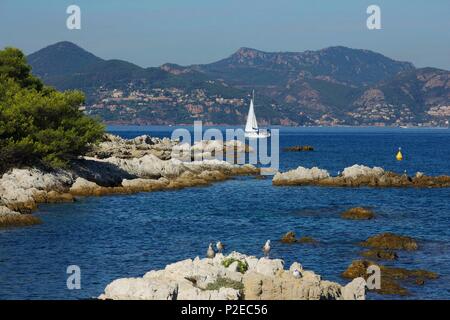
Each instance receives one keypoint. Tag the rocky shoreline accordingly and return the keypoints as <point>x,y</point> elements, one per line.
<point>224,278</point>
<point>117,166</point>
<point>358,176</point>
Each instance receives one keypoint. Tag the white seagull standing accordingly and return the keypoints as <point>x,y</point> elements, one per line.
<point>210,252</point>
<point>220,246</point>
<point>266,248</point>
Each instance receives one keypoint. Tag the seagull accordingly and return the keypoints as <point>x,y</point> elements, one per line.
<point>266,248</point>
<point>220,246</point>
<point>296,273</point>
<point>210,252</point>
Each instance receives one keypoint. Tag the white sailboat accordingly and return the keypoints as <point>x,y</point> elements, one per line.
<point>251,127</point>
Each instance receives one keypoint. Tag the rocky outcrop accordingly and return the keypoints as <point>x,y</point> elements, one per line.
<point>300,176</point>
<point>163,148</point>
<point>115,146</point>
<point>358,176</point>
<point>209,279</point>
<point>22,189</point>
<point>119,166</point>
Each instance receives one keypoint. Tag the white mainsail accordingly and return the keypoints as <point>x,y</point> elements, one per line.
<point>251,125</point>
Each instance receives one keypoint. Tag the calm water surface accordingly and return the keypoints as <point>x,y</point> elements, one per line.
<point>125,236</point>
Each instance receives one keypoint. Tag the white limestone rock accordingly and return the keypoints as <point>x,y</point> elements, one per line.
<point>269,267</point>
<point>83,186</point>
<point>6,211</point>
<point>264,279</point>
<point>356,171</point>
<point>141,289</point>
<point>21,186</point>
<point>355,290</point>
<point>301,174</point>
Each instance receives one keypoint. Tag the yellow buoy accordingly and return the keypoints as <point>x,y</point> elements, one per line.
<point>399,155</point>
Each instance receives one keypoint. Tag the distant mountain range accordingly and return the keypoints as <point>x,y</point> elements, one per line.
<point>332,86</point>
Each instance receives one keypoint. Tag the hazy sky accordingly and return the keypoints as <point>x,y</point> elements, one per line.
<point>152,32</point>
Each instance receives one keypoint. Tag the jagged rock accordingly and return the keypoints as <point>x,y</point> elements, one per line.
<point>300,175</point>
<point>355,290</point>
<point>21,189</point>
<point>114,146</point>
<point>356,171</point>
<point>357,176</point>
<point>207,279</point>
<point>358,213</point>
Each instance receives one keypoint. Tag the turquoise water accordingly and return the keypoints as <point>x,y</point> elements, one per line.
<point>125,236</point>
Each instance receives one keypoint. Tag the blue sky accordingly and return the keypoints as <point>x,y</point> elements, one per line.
<point>152,32</point>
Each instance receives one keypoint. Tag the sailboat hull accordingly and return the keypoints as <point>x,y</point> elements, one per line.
<point>257,135</point>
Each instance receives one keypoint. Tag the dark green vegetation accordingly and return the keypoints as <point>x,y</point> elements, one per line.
<point>242,266</point>
<point>225,283</point>
<point>39,125</point>
<point>336,85</point>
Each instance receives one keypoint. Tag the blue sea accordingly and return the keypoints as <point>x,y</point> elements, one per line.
<point>127,235</point>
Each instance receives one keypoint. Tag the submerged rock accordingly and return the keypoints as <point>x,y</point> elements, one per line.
<point>209,279</point>
<point>391,241</point>
<point>358,213</point>
<point>390,276</point>
<point>9,218</point>
<point>380,254</point>
<point>298,148</point>
<point>306,239</point>
<point>290,237</point>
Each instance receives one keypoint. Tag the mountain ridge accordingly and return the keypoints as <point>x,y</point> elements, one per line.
<point>334,85</point>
